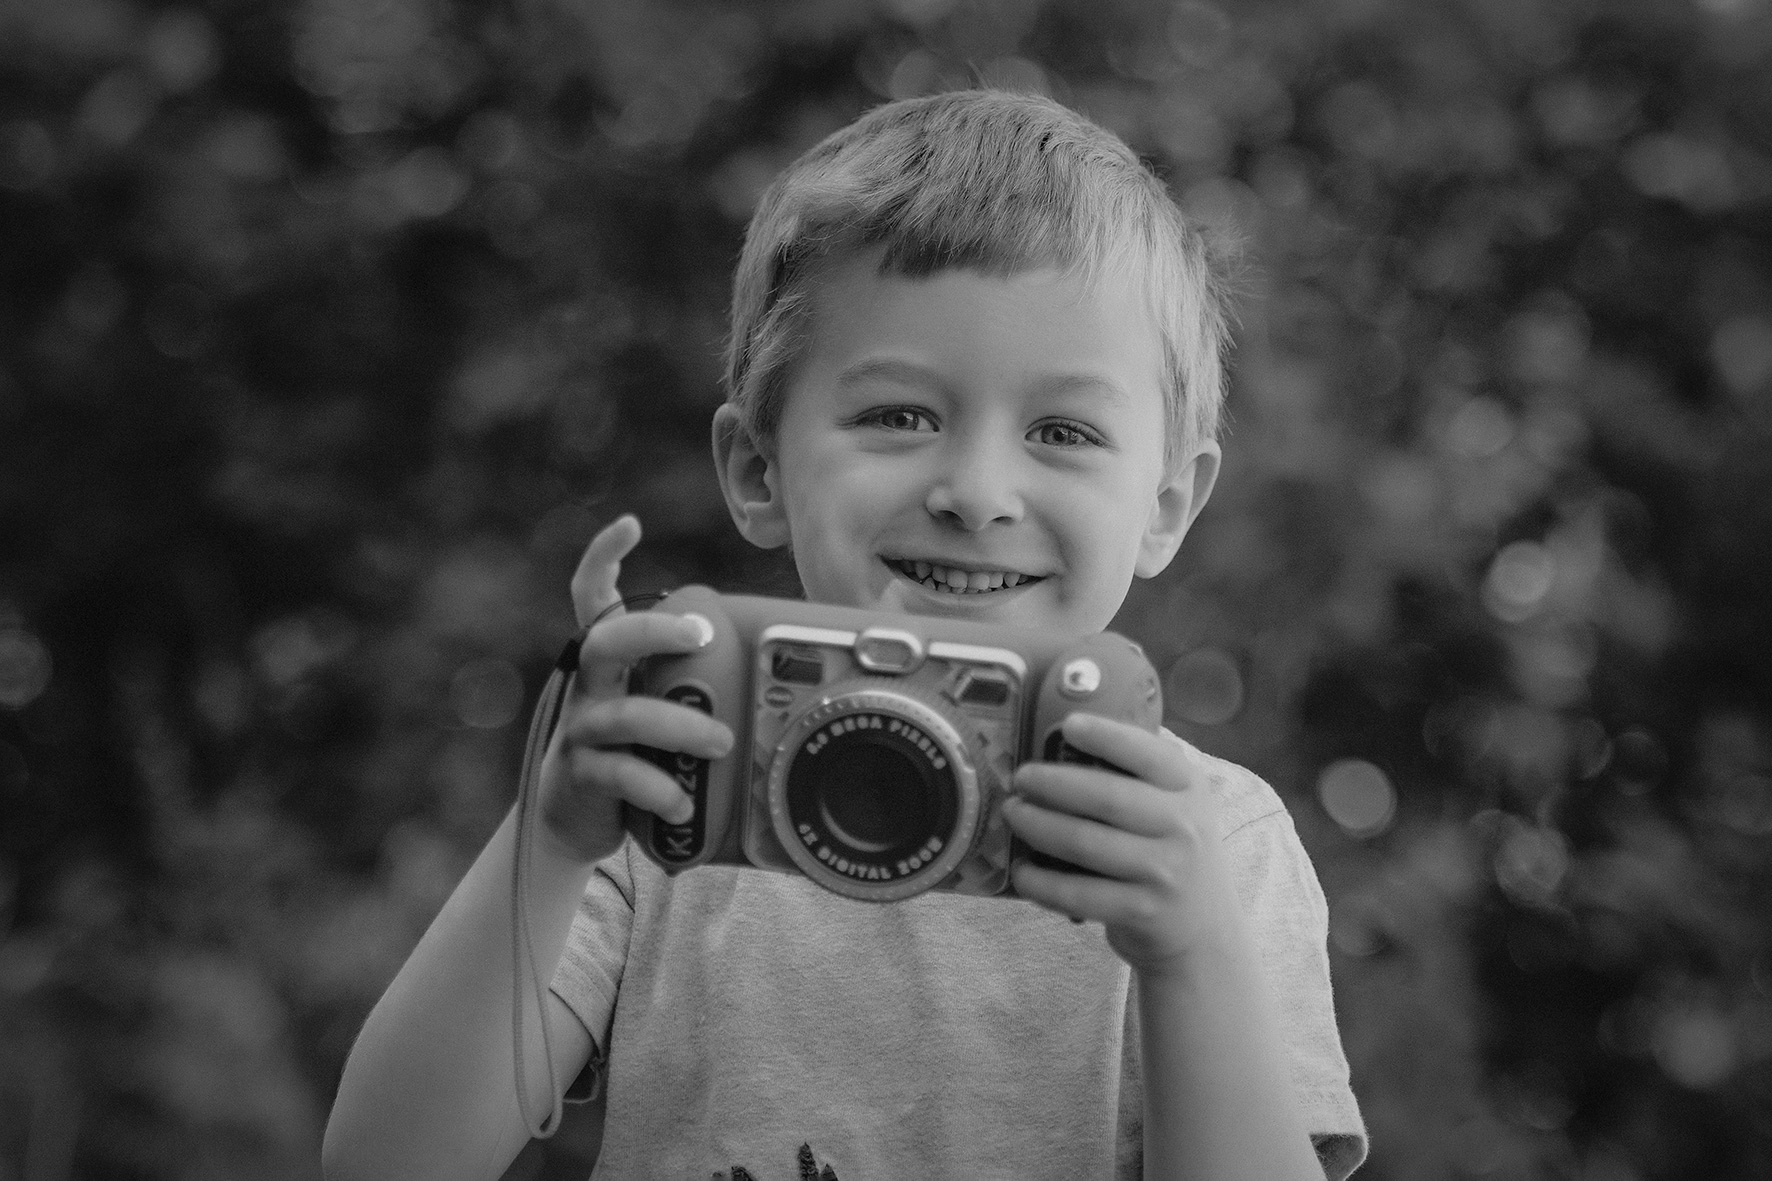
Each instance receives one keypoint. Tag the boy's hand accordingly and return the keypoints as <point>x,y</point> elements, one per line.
<point>1152,834</point>
<point>588,772</point>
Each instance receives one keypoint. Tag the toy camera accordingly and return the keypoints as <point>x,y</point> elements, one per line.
<point>873,751</point>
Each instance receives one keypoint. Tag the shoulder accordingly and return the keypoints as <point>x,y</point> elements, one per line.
<point>1243,797</point>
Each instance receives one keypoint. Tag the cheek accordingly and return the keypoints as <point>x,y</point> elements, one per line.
<point>832,511</point>
<point>1104,530</point>
<point>853,488</point>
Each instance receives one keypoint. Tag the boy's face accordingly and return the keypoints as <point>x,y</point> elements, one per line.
<point>1001,435</point>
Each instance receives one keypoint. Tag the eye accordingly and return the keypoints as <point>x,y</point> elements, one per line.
<point>1064,433</point>
<point>898,418</point>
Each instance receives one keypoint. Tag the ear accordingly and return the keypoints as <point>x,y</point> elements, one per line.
<point>749,480</point>
<point>1179,501</point>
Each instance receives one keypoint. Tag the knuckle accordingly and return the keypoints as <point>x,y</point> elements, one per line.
<point>624,776</point>
<point>599,641</point>
<point>1164,876</point>
<point>1049,830</point>
<point>635,719</point>
<point>585,770</point>
<point>578,732</point>
<point>1084,846</point>
<point>1174,822</point>
<point>633,781</point>
<point>595,726</point>
<point>624,712</point>
<point>589,763</point>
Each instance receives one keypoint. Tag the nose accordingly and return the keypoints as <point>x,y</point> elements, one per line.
<point>975,486</point>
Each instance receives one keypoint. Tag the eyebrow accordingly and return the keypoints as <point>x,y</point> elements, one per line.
<point>1083,383</point>
<point>890,369</point>
<point>911,373</point>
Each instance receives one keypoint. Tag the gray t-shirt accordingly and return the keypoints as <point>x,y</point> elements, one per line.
<point>756,1023</point>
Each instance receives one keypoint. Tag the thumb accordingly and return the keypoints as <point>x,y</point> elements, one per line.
<point>594,588</point>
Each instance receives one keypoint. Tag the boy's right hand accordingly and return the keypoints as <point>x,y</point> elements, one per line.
<point>588,772</point>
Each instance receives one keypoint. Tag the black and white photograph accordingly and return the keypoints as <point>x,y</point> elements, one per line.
<point>865,590</point>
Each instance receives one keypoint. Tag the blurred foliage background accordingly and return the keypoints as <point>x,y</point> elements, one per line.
<point>330,330</point>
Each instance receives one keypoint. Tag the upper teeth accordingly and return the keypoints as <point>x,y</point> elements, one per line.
<point>966,580</point>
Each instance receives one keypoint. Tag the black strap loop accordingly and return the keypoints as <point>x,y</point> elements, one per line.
<point>542,724</point>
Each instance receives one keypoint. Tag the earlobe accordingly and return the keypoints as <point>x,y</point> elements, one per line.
<point>748,480</point>
<point>1177,506</point>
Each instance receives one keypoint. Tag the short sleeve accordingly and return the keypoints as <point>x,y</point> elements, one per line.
<point>589,975</point>
<point>1278,888</point>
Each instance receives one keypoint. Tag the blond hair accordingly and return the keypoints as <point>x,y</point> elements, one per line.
<point>992,181</point>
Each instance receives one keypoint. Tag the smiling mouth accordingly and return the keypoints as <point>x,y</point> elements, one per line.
<point>954,581</point>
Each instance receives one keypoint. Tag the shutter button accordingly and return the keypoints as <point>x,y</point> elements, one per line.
<point>1079,678</point>
<point>888,650</point>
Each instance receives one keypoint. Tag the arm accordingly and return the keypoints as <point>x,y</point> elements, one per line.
<point>428,1090</point>
<point>1219,1102</point>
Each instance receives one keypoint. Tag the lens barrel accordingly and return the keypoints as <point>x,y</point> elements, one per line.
<point>872,795</point>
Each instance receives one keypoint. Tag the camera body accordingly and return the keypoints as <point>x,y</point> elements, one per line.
<point>873,751</point>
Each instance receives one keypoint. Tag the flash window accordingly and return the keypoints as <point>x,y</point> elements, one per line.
<point>982,688</point>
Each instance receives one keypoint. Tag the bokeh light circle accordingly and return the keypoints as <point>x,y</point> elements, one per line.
<point>1205,687</point>
<point>1518,581</point>
<point>1696,1047</point>
<point>24,668</point>
<point>1358,796</point>
<point>486,694</point>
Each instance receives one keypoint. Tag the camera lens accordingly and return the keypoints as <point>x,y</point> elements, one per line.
<point>873,798</point>
<point>874,790</point>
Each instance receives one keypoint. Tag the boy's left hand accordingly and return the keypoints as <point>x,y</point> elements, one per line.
<point>1152,834</point>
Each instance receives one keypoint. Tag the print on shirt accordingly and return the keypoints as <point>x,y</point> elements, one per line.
<point>809,1170</point>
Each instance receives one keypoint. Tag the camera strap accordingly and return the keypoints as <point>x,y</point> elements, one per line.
<point>542,724</point>
<point>541,730</point>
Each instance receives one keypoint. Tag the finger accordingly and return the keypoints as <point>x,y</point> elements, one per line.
<point>594,582</point>
<point>616,643</point>
<point>1079,896</point>
<point>1084,843</point>
<point>649,721</point>
<point>1118,801</point>
<point>623,639</point>
<point>1151,757</point>
<point>631,779</point>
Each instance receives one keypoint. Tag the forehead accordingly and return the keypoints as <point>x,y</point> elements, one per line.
<point>969,328</point>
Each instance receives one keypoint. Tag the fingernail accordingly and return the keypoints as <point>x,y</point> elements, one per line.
<point>703,628</point>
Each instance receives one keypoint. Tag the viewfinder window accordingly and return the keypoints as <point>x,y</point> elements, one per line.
<point>797,666</point>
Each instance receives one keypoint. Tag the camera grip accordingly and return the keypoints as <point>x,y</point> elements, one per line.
<point>1057,750</point>
<point>711,680</point>
<point>676,846</point>
<point>1107,675</point>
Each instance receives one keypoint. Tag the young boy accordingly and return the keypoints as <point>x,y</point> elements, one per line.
<point>975,371</point>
